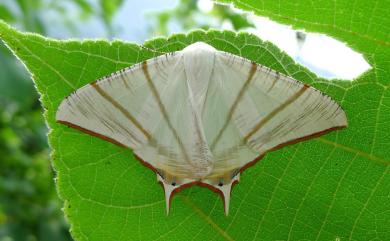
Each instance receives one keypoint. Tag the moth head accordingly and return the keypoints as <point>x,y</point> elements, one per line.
<point>199,47</point>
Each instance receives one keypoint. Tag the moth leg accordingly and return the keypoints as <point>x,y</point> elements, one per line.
<point>224,185</point>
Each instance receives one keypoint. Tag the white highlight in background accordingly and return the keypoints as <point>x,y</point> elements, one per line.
<point>325,56</point>
<point>205,5</point>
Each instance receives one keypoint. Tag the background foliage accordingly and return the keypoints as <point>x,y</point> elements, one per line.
<point>332,188</point>
<point>29,205</point>
<point>187,16</point>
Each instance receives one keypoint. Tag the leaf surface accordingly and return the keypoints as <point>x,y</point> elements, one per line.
<point>335,186</point>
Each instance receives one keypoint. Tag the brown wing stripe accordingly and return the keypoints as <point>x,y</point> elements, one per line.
<point>235,103</point>
<point>124,80</point>
<point>121,109</point>
<point>273,113</point>
<point>92,133</point>
<point>163,109</point>
<point>277,77</point>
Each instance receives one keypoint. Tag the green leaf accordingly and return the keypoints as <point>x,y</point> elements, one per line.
<point>6,14</point>
<point>85,6</point>
<point>331,188</point>
<point>109,7</point>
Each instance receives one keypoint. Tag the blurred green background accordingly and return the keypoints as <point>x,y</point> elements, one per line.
<point>29,206</point>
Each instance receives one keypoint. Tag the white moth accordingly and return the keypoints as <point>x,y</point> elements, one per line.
<point>200,116</point>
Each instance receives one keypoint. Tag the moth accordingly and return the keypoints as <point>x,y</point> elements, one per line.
<point>200,115</point>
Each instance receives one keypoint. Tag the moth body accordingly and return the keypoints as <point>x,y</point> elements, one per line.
<point>198,61</point>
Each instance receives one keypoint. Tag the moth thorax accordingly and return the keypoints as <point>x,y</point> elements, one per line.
<point>199,64</point>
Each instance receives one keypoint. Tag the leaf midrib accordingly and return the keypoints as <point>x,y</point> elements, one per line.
<point>206,218</point>
<point>371,157</point>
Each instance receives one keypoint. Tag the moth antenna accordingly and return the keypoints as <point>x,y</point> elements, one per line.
<point>152,50</point>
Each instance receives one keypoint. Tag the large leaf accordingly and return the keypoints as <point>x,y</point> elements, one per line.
<point>330,188</point>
